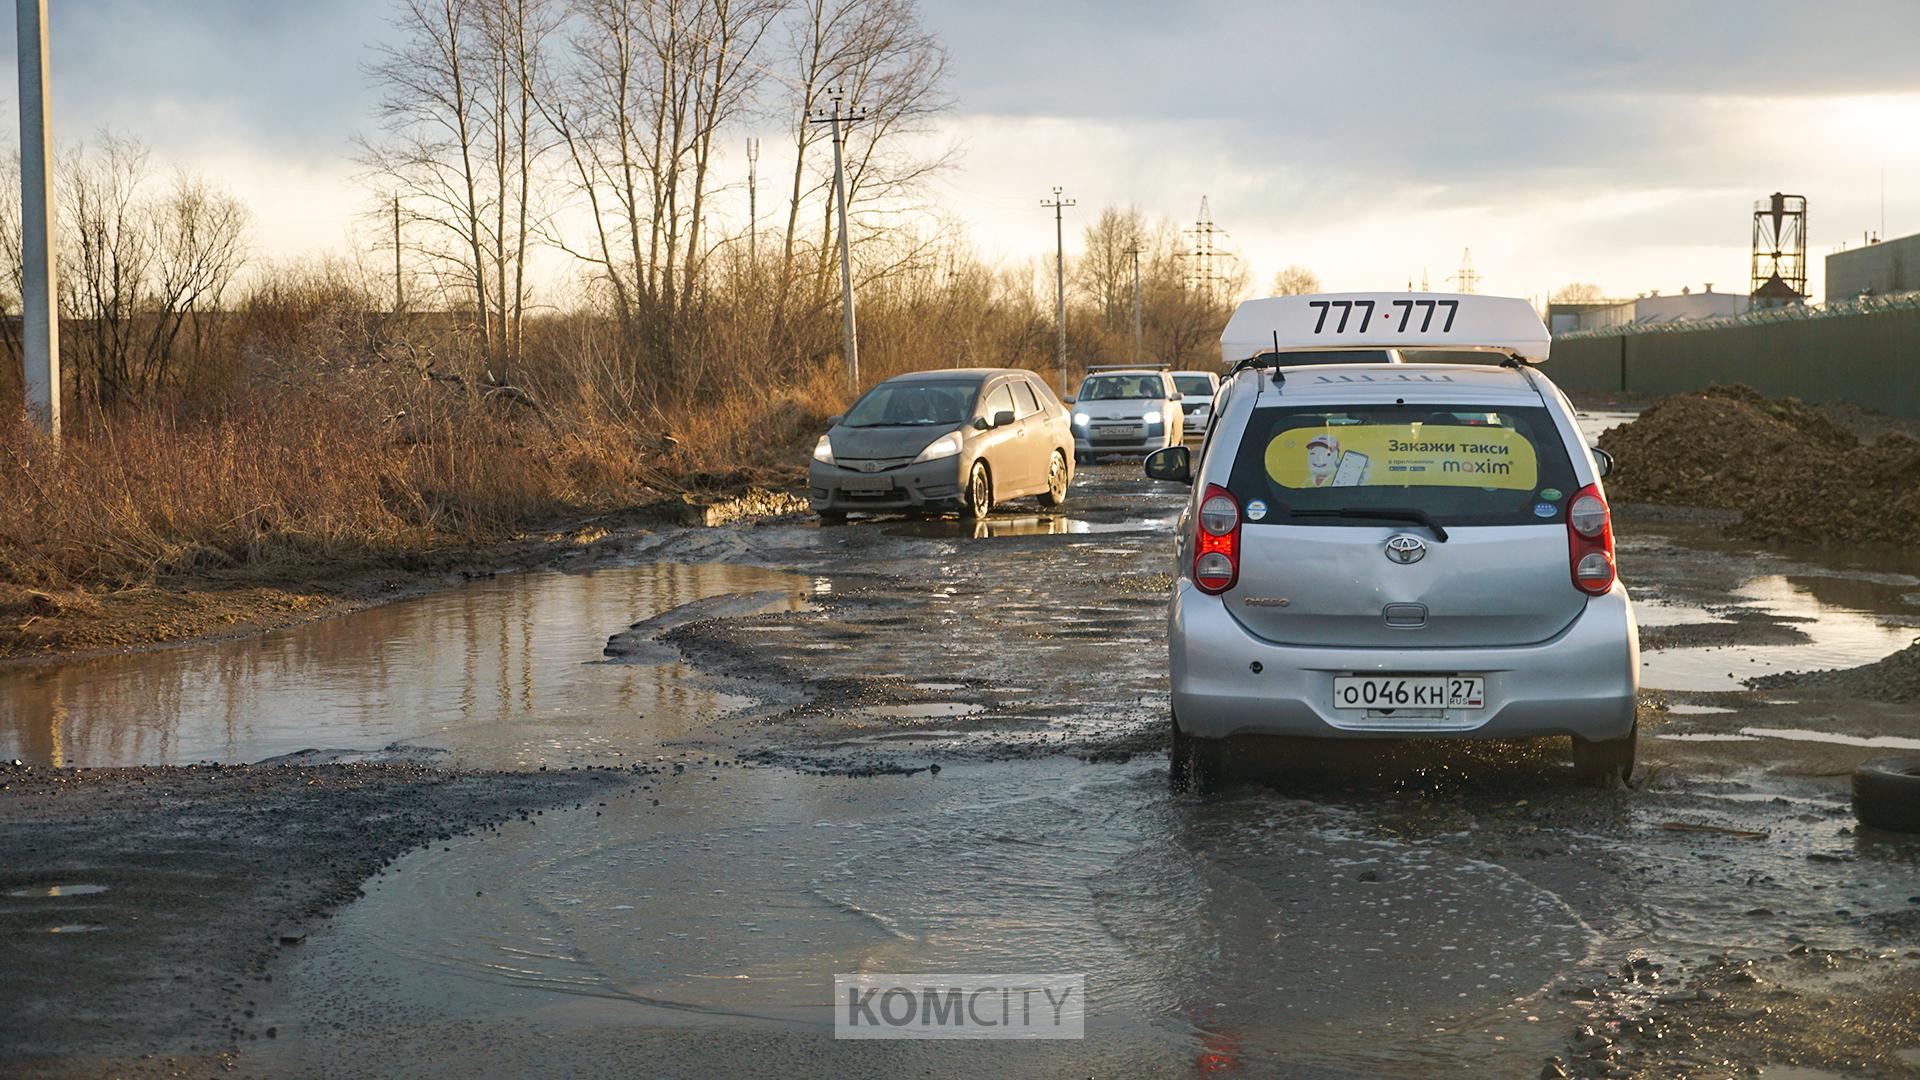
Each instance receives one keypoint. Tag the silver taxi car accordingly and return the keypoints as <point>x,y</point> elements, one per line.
<point>1404,551</point>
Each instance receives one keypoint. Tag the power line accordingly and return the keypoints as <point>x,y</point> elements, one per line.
<point>836,117</point>
<point>1135,251</point>
<point>39,316</point>
<point>1060,277</point>
<point>753,203</point>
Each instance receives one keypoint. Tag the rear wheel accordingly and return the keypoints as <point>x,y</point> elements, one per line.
<point>1195,765</point>
<point>1605,763</point>
<point>1057,477</point>
<point>979,500</point>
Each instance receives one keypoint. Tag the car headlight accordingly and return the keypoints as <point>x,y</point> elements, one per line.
<point>1080,419</point>
<point>943,447</point>
<point>823,450</point>
<point>1152,416</point>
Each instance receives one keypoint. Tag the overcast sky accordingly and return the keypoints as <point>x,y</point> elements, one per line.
<point>1618,143</point>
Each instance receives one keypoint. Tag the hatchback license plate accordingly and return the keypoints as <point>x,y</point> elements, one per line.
<point>867,485</point>
<point>1397,692</point>
<point>1117,432</point>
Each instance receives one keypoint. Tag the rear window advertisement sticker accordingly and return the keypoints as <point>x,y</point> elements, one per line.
<point>1550,494</point>
<point>1403,455</point>
<point>1544,509</point>
<point>1256,510</point>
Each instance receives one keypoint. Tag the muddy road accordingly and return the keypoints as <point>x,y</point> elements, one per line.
<point>907,745</point>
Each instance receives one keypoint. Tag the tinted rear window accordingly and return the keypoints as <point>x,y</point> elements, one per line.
<point>1462,464</point>
<point>1308,357</point>
<point>1194,384</point>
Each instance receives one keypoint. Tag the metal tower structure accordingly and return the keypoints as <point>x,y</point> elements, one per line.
<point>1779,251</point>
<point>1203,274</point>
<point>1463,279</point>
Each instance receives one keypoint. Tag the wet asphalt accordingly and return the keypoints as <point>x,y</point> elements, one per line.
<point>905,745</point>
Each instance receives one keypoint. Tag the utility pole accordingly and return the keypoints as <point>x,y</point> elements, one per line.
<point>1135,252</point>
<point>399,286</point>
<point>1467,277</point>
<point>1060,278</point>
<point>39,318</point>
<point>835,117</point>
<point>753,202</point>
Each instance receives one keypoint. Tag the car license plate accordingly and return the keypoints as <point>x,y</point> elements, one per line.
<point>867,485</point>
<point>1114,432</point>
<point>1417,692</point>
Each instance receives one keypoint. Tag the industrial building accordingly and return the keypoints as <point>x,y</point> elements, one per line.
<point>1881,268</point>
<point>1683,306</point>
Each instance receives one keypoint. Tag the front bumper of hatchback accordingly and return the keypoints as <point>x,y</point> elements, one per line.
<point>1583,682</point>
<point>928,485</point>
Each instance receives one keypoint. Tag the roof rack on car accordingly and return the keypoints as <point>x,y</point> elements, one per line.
<point>1091,368</point>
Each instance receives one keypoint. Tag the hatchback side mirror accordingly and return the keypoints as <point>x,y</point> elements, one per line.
<point>1174,463</point>
<point>1066,399</point>
<point>1603,461</point>
<point>834,421</point>
<point>1003,418</point>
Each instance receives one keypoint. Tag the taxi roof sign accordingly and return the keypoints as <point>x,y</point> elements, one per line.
<point>1386,320</point>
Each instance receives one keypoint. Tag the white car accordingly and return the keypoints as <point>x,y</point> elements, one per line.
<point>1196,399</point>
<point>1396,550</point>
<point>1125,410</point>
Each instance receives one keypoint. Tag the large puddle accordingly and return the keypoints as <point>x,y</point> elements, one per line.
<point>1849,621</point>
<point>503,673</point>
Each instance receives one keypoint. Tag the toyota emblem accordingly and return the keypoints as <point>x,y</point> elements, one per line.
<point>1405,549</point>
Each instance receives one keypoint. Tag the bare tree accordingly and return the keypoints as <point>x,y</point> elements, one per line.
<point>1578,293</point>
<point>1295,281</point>
<point>461,149</point>
<point>1104,271</point>
<point>138,269</point>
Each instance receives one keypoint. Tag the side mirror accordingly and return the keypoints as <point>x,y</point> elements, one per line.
<point>1173,463</point>
<point>1003,418</point>
<point>1066,399</point>
<point>1604,461</point>
<point>981,423</point>
<point>834,420</point>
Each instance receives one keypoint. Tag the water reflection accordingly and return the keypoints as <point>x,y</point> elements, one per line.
<point>1851,621</point>
<point>500,673</point>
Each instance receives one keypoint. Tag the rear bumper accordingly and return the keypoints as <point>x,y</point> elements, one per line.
<point>1583,682</point>
<point>931,485</point>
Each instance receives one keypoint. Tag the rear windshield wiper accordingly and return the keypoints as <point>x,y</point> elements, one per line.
<point>1379,513</point>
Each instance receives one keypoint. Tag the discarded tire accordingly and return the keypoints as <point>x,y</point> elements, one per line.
<point>1886,793</point>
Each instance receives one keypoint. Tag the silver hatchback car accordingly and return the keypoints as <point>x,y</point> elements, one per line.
<point>1410,550</point>
<point>960,439</point>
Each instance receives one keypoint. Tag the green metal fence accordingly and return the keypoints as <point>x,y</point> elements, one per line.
<point>1866,352</point>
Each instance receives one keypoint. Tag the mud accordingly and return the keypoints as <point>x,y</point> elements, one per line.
<point>914,746</point>
<point>1794,472</point>
<point>198,882</point>
<point>1896,678</point>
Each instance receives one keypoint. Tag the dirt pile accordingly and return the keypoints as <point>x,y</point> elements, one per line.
<point>1895,678</point>
<point>1793,471</point>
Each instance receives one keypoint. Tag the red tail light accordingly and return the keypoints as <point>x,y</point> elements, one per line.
<point>1590,541</point>
<point>1216,541</point>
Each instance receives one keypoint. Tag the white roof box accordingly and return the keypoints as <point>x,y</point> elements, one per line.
<point>1385,320</point>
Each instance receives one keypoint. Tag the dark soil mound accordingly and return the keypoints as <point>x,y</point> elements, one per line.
<point>1896,678</point>
<point>1793,471</point>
